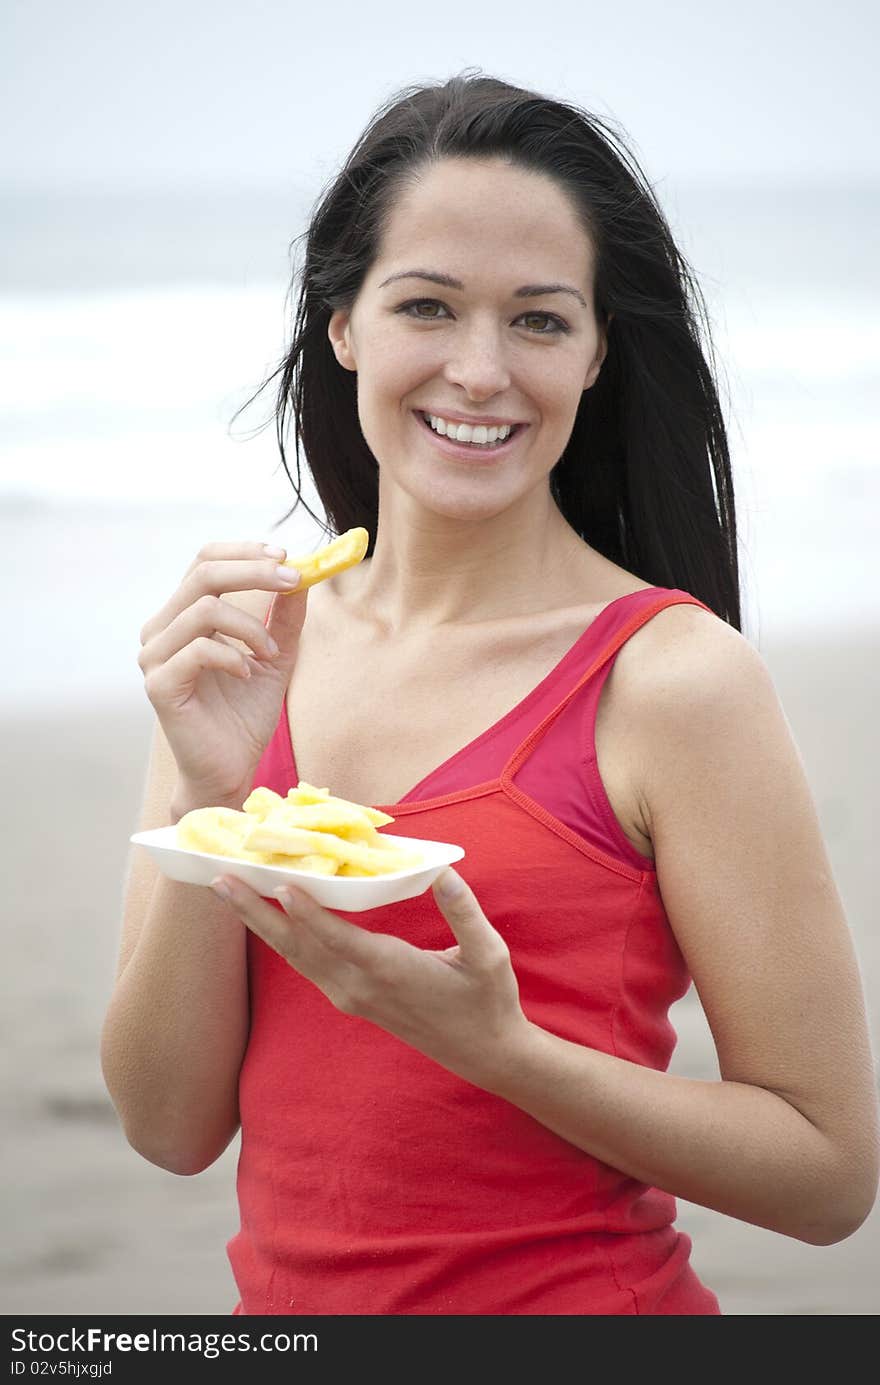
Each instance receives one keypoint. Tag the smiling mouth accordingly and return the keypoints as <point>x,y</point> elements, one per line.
<point>477,448</point>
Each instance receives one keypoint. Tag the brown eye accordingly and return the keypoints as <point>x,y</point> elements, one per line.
<point>554,325</point>
<point>421,303</point>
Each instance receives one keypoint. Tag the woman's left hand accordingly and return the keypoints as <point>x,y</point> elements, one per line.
<point>459,1007</point>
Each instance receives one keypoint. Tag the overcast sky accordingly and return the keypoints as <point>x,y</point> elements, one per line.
<point>109,93</point>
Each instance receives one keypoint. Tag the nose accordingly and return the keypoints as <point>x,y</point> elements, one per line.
<point>477,363</point>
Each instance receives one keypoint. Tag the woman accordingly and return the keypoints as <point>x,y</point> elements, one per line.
<point>460,1104</point>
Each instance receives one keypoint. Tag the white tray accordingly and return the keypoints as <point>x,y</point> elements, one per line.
<point>350,893</point>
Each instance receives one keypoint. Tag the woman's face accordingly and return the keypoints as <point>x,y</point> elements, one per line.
<point>479,350</point>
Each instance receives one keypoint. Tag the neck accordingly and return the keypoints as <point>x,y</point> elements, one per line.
<point>430,570</point>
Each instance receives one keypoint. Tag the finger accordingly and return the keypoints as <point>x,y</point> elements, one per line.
<point>209,616</point>
<point>345,940</point>
<point>216,576</point>
<point>285,620</point>
<point>336,966</point>
<point>478,941</point>
<point>314,925</point>
<point>271,924</point>
<point>245,548</point>
<point>172,683</point>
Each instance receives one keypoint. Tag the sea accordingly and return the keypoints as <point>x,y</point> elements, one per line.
<point>135,326</point>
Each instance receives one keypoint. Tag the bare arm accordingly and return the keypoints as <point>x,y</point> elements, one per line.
<point>177,1024</point>
<point>788,1139</point>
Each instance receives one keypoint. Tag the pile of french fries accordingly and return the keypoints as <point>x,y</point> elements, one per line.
<point>309,830</point>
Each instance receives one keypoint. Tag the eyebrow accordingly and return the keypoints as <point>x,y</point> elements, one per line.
<point>527,290</point>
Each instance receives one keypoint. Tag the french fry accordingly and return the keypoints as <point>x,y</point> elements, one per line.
<point>344,820</point>
<point>262,801</point>
<point>297,841</point>
<point>313,865</point>
<point>307,793</point>
<point>339,815</point>
<point>341,553</point>
<point>302,794</point>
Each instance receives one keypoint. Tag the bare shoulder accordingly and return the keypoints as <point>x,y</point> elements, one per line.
<point>682,638</point>
<point>685,656</point>
<point>683,667</point>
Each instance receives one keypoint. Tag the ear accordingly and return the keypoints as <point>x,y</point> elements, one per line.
<point>339,332</point>
<point>592,374</point>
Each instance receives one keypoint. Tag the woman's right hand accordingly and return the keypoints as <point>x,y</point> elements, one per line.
<point>218,705</point>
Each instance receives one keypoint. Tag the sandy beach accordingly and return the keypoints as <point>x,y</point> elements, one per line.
<point>90,1227</point>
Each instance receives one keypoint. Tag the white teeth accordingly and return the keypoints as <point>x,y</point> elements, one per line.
<point>463,432</point>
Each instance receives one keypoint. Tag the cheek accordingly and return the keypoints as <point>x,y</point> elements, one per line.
<point>396,372</point>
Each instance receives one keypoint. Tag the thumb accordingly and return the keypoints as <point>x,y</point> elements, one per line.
<point>477,939</point>
<point>284,622</point>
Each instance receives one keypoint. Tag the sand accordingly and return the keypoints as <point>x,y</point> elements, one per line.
<point>90,1227</point>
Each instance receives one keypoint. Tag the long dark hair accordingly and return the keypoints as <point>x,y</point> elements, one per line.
<point>645,478</point>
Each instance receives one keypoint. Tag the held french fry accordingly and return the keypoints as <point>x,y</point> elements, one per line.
<point>341,553</point>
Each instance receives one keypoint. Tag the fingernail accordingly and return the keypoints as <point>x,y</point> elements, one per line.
<point>220,887</point>
<point>449,886</point>
<point>293,898</point>
<point>272,552</point>
<point>288,575</point>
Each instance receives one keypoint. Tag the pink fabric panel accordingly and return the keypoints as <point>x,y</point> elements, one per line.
<point>561,773</point>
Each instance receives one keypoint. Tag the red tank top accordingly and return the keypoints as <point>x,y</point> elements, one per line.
<point>373,1181</point>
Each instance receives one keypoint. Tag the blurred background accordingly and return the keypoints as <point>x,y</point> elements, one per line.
<point>156,163</point>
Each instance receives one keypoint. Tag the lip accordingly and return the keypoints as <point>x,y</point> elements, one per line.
<point>472,419</point>
<point>464,451</point>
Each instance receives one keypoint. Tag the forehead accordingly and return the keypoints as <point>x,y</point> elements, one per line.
<point>485,217</point>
